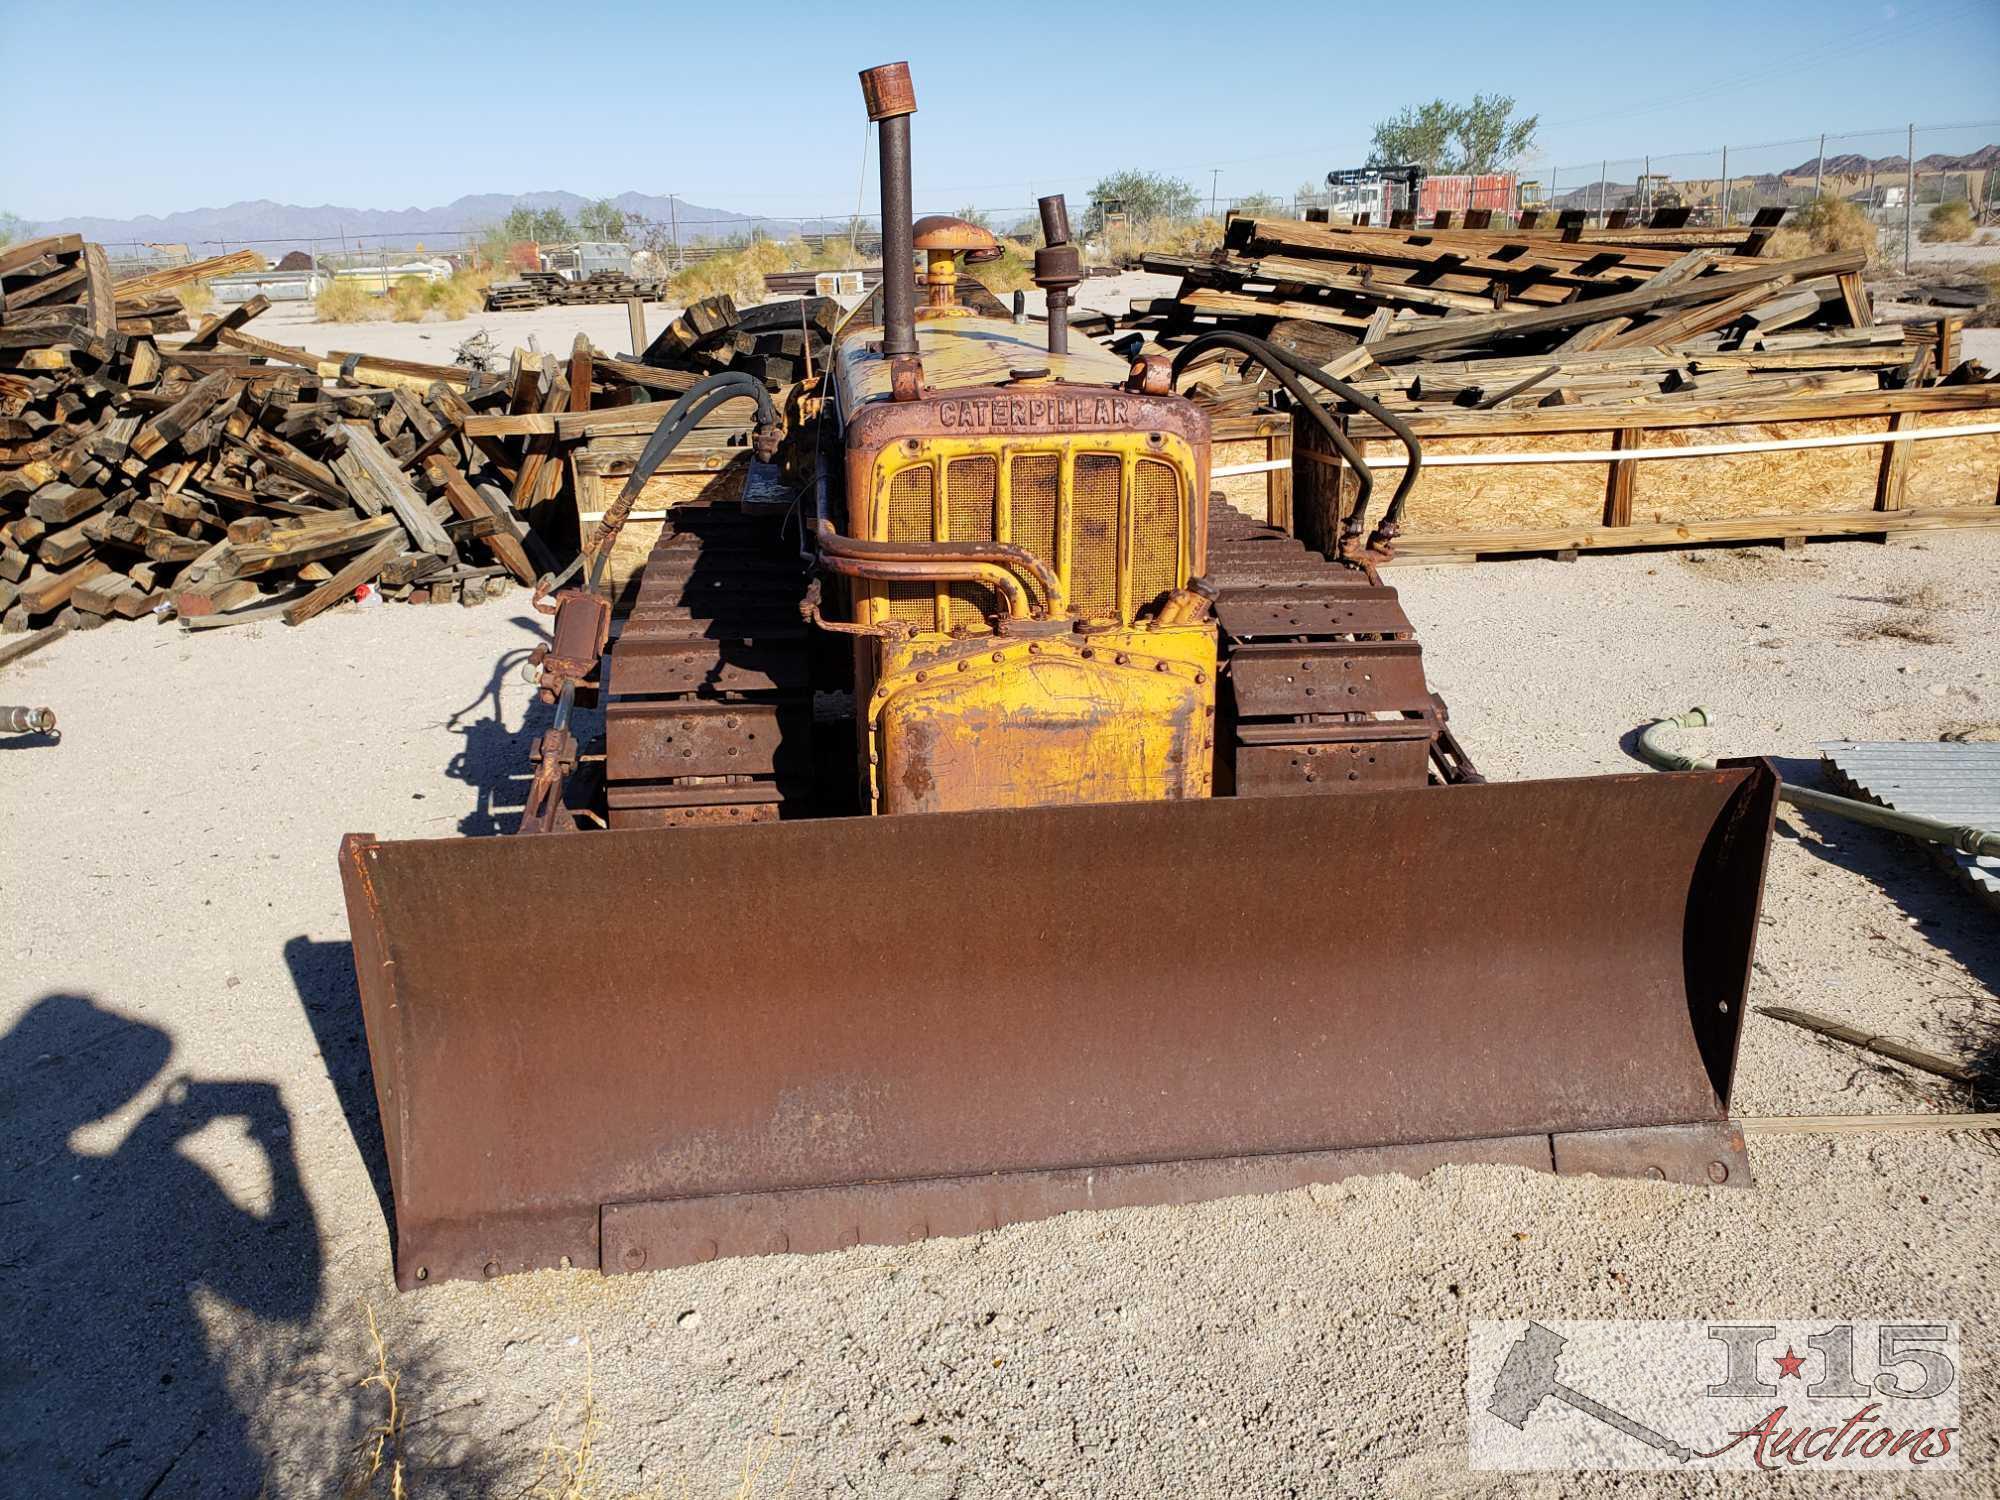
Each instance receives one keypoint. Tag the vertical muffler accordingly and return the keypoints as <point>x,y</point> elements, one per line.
<point>891,99</point>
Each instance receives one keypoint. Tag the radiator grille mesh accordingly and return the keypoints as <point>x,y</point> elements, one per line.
<point>912,519</point>
<point>971,486</point>
<point>1093,568</point>
<point>1156,531</point>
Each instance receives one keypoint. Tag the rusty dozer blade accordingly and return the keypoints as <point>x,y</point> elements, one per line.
<point>650,1048</point>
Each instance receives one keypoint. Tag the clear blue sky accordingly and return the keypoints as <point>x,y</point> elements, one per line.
<point>755,108</point>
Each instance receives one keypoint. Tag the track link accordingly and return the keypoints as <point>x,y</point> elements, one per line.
<point>1323,685</point>
<point>709,713</point>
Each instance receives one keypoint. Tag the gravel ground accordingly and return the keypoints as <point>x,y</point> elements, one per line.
<point>192,1242</point>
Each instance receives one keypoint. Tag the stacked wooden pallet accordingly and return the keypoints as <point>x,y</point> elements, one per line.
<point>1430,319</point>
<point>220,475</point>
<point>780,343</point>
<point>551,289</point>
<point>512,296</point>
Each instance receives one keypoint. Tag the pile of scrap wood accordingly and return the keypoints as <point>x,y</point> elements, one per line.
<point>219,476</point>
<point>780,343</point>
<point>1437,319</point>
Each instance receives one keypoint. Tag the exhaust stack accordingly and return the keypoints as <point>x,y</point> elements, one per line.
<point>1058,267</point>
<point>891,100</point>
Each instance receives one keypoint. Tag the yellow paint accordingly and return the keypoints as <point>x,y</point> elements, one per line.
<point>940,452</point>
<point>1116,707</point>
<point>1124,715</point>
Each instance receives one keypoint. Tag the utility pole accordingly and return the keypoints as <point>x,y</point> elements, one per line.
<point>674,220</point>
<point>1909,198</point>
<point>1647,191</point>
<point>1819,165</point>
<point>1725,186</point>
<point>1603,172</point>
<point>1214,180</point>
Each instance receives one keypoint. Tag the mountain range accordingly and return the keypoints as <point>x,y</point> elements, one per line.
<point>283,226</point>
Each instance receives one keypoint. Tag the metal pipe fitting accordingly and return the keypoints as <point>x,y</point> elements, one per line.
<point>15,719</point>
<point>1058,267</point>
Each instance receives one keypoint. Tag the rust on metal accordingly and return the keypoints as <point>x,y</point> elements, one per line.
<point>725,1050</point>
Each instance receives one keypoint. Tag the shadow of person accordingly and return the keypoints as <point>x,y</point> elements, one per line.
<point>108,1380</point>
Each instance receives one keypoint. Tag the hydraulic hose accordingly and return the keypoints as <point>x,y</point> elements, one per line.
<point>1392,518</point>
<point>1266,356</point>
<point>683,417</point>
<point>1278,361</point>
<point>1974,841</point>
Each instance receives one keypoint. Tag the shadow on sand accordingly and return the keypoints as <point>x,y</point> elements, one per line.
<point>108,1381</point>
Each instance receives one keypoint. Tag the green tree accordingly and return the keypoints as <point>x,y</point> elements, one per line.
<point>12,228</point>
<point>545,225</point>
<point>972,215</point>
<point>1262,206</point>
<point>1482,136</point>
<point>1141,196</point>
<point>602,220</point>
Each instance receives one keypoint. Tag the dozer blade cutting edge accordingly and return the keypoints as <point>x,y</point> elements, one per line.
<point>645,1049</point>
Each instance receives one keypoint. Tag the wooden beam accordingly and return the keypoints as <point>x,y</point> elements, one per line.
<point>351,576</point>
<point>504,542</point>
<point>1874,1042</point>
<point>98,296</point>
<point>1417,547</point>
<point>373,479</point>
<point>151,283</point>
<point>1618,489</point>
<point>1862,1124</point>
<point>1445,333</point>
<point>1894,475</point>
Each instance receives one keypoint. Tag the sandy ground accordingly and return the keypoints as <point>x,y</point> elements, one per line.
<point>192,1243</point>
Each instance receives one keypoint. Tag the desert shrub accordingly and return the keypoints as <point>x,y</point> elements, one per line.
<point>347,302</point>
<point>196,298</point>
<point>1826,226</point>
<point>1948,223</point>
<point>740,273</point>
<point>1126,244</point>
<point>414,300</point>
<point>1014,271</point>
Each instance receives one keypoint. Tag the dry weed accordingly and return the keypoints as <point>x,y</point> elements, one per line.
<point>1913,618</point>
<point>1124,246</point>
<point>1949,223</point>
<point>739,273</point>
<point>385,1439</point>
<point>1825,226</point>
<point>346,302</point>
<point>196,298</point>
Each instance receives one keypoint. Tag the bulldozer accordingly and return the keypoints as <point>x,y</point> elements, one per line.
<point>990,822</point>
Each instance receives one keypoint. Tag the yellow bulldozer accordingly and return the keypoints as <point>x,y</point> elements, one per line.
<point>990,822</point>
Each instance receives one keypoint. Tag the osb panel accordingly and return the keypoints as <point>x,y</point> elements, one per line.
<point>1949,472</point>
<point>1249,493</point>
<point>1502,497</point>
<point>1804,481</point>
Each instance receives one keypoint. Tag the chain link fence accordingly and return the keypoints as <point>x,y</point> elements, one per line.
<point>1896,175</point>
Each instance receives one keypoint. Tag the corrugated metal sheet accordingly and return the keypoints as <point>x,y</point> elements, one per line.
<point>1954,783</point>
